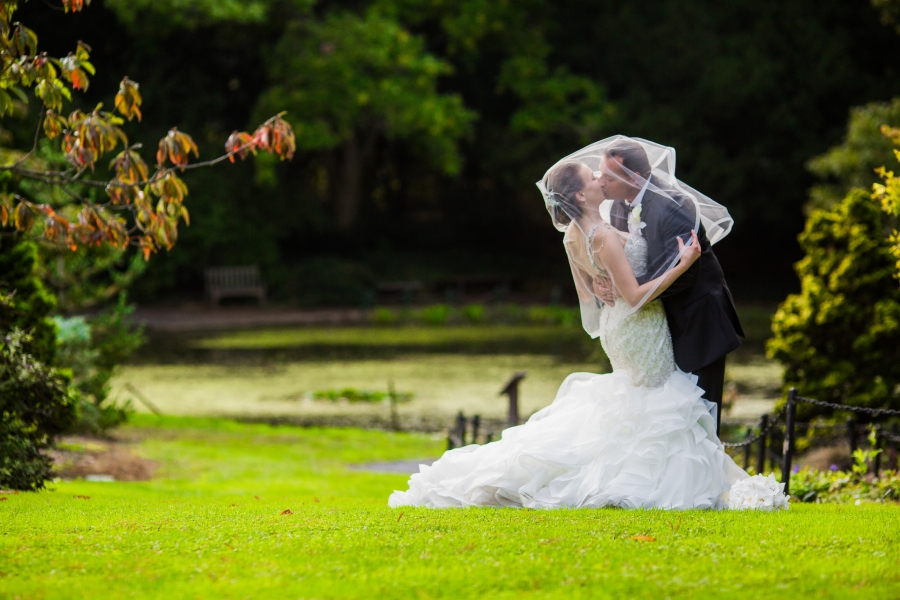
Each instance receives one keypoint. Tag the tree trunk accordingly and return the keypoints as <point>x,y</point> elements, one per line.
<point>349,185</point>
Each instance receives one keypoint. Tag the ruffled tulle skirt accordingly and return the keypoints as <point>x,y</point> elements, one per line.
<point>602,442</point>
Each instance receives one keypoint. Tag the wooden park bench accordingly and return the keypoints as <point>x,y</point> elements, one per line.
<point>234,282</point>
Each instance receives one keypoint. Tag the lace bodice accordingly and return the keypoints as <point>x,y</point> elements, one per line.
<point>637,341</point>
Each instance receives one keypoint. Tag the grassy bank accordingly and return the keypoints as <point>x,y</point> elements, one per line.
<point>213,524</point>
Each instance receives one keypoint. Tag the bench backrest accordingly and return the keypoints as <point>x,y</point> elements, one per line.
<point>233,277</point>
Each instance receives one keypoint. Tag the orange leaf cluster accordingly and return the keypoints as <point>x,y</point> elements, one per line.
<point>176,146</point>
<point>75,5</point>
<point>152,203</point>
<point>91,135</point>
<point>128,100</point>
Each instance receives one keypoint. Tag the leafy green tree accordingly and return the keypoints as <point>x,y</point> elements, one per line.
<point>27,304</point>
<point>349,81</point>
<point>855,161</point>
<point>888,193</point>
<point>64,201</point>
<point>839,338</point>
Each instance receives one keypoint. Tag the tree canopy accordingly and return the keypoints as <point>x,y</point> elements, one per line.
<point>746,91</point>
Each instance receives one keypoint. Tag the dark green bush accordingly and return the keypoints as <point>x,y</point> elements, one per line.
<point>437,314</point>
<point>35,402</point>
<point>839,338</point>
<point>35,405</point>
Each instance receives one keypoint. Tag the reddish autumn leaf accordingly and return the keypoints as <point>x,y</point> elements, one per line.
<point>83,497</point>
<point>240,143</point>
<point>642,538</point>
<point>287,512</point>
<point>3,499</point>
<point>276,136</point>
<point>316,500</point>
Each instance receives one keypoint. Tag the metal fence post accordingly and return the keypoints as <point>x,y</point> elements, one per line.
<point>851,434</point>
<point>892,447</point>
<point>788,447</point>
<point>876,462</point>
<point>461,429</point>
<point>761,450</point>
<point>747,434</point>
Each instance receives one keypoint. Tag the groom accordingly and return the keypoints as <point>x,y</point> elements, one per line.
<point>699,306</point>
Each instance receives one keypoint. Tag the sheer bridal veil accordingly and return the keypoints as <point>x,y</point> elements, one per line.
<point>627,187</point>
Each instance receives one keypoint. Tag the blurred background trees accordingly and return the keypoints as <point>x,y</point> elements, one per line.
<point>424,124</point>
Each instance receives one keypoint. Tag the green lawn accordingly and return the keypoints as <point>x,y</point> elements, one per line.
<point>211,525</point>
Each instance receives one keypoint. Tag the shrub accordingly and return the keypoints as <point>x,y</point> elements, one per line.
<point>384,316</point>
<point>437,314</point>
<point>92,350</point>
<point>554,315</point>
<point>474,313</point>
<point>839,338</point>
<point>354,395</point>
<point>35,405</point>
<point>35,402</point>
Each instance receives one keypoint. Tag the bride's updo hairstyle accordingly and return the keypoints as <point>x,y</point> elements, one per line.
<point>564,181</point>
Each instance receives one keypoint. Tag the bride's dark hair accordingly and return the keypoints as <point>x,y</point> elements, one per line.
<point>564,181</point>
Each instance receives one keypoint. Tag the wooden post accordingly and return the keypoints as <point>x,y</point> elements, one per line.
<point>476,423</point>
<point>461,429</point>
<point>788,446</point>
<point>490,437</point>
<point>395,418</point>
<point>761,450</point>
<point>747,434</point>
<point>892,447</point>
<point>511,389</point>
<point>876,462</point>
<point>851,434</point>
<point>450,445</point>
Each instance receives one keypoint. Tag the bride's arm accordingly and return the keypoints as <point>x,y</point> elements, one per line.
<point>609,247</point>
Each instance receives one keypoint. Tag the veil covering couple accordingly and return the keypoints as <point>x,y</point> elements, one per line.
<point>650,288</point>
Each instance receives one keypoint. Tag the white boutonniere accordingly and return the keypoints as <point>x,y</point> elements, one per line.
<point>634,221</point>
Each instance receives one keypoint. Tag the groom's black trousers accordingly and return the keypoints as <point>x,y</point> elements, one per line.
<point>711,379</point>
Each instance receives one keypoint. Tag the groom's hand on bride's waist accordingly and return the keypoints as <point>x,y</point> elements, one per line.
<point>605,290</point>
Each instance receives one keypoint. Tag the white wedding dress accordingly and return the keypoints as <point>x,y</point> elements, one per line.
<point>641,436</point>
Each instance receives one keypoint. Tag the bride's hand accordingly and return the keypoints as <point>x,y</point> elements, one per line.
<point>691,253</point>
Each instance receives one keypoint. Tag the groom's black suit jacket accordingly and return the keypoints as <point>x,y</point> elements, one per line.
<point>699,306</point>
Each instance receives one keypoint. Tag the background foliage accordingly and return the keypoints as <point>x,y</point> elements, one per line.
<point>839,338</point>
<point>746,91</point>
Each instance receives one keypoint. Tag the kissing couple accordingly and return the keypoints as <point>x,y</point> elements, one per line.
<point>639,243</point>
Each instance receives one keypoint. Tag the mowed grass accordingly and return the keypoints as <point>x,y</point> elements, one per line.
<point>212,525</point>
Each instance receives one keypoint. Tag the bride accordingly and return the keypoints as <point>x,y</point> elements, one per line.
<point>641,436</point>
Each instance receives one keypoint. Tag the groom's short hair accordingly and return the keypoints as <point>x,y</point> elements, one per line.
<point>632,155</point>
